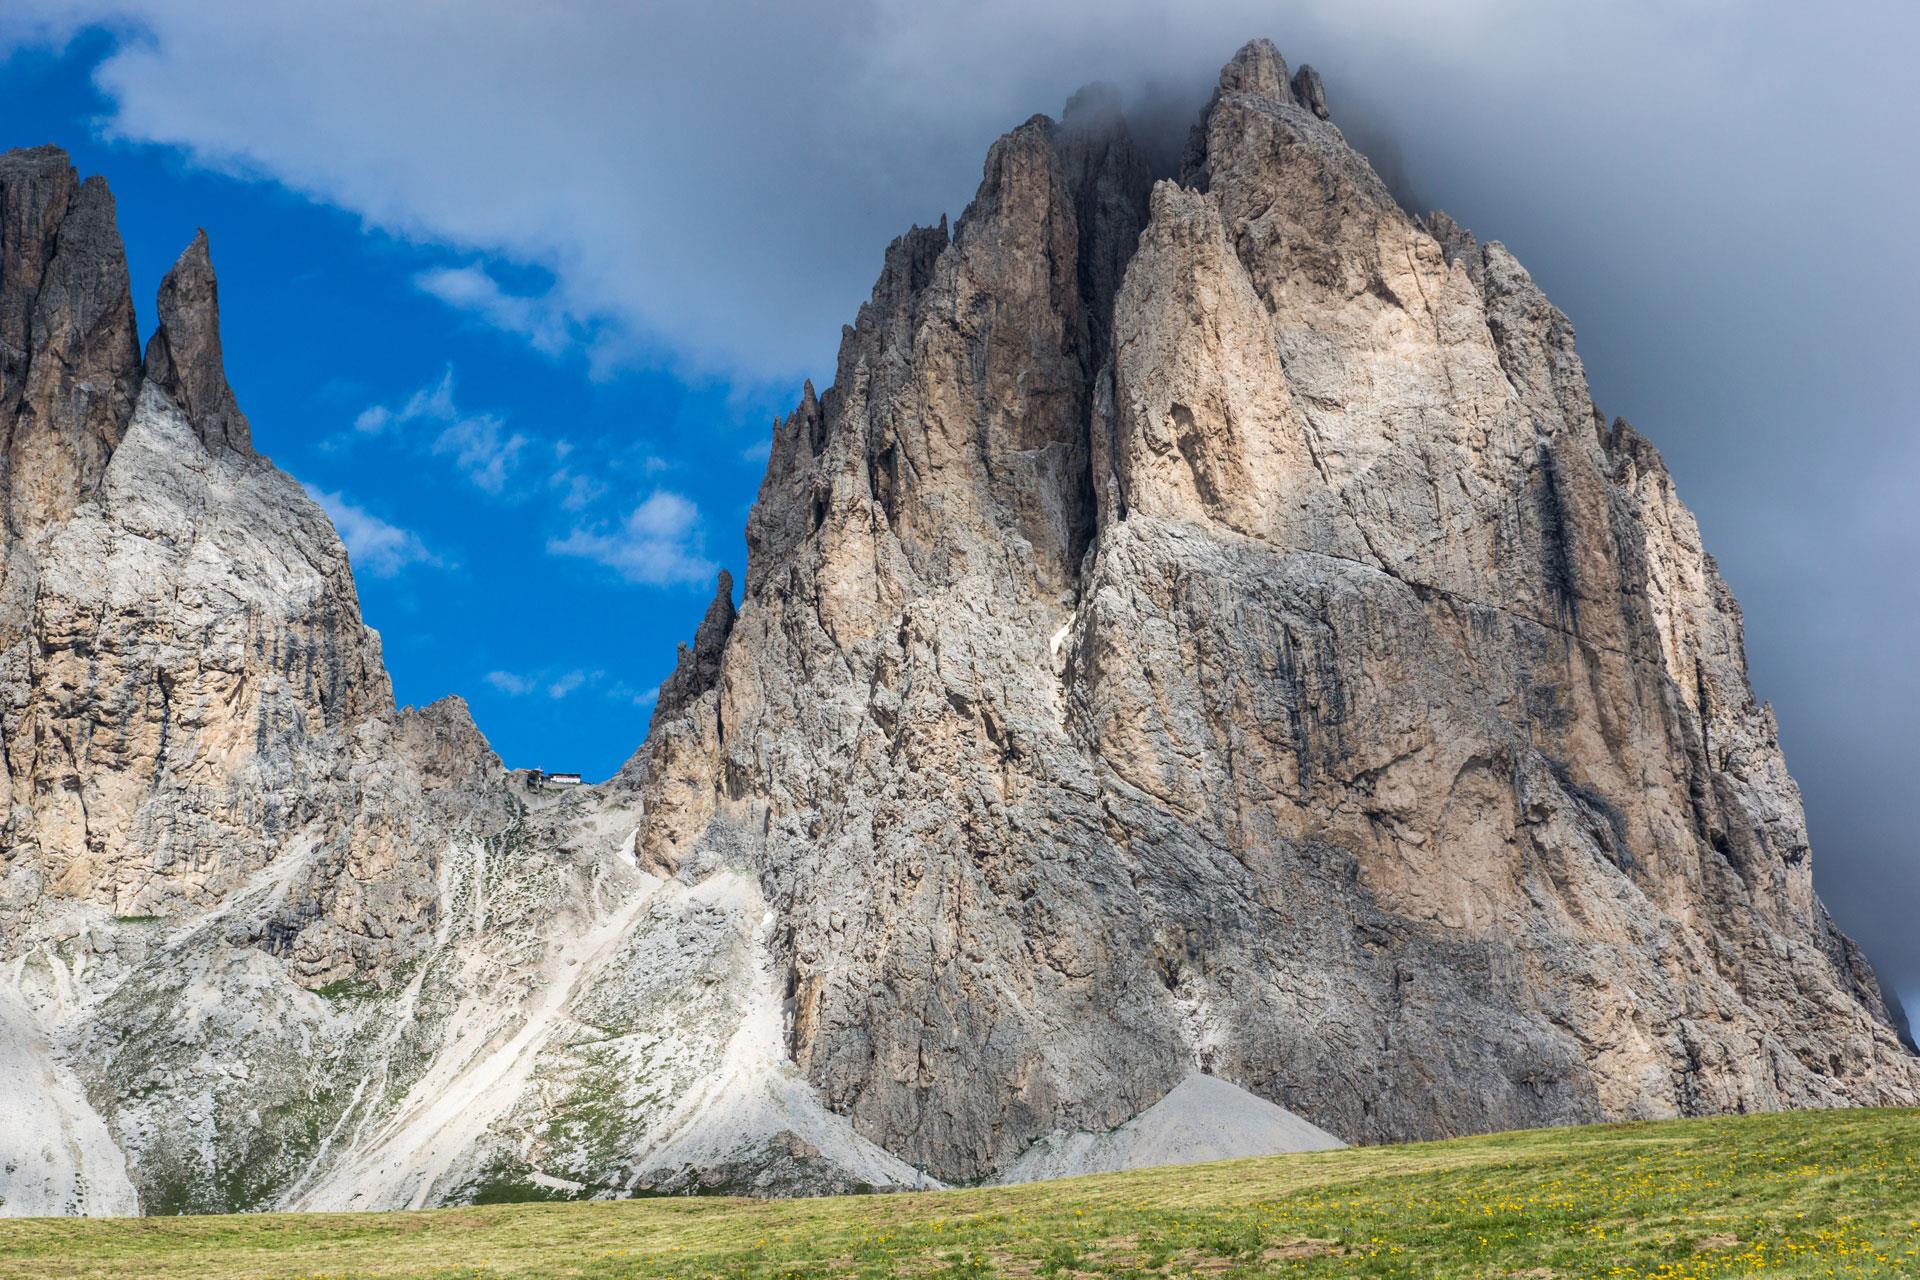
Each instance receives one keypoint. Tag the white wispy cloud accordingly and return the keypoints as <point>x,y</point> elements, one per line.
<point>621,691</point>
<point>659,544</point>
<point>484,450</point>
<point>511,683</point>
<point>482,446</point>
<point>434,401</point>
<point>518,684</point>
<point>661,541</point>
<point>577,490</point>
<point>541,321</point>
<point>373,545</point>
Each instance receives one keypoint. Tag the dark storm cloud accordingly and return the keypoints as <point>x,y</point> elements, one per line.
<point>1720,194</point>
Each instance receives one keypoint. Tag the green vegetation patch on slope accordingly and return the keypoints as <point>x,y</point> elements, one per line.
<point>1807,1194</point>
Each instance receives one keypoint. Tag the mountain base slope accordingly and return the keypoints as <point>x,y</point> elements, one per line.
<point>1803,1194</point>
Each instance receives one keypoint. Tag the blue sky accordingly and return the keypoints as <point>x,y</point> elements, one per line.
<point>595,247</point>
<point>524,533</point>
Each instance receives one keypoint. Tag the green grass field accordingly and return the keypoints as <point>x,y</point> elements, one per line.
<point>1809,1194</point>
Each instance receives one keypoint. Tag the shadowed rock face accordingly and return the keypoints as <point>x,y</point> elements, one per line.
<point>69,358</point>
<point>1205,633</point>
<point>1208,625</point>
<point>699,666</point>
<point>184,360</point>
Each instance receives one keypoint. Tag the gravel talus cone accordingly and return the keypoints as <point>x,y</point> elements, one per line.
<point>1204,648</point>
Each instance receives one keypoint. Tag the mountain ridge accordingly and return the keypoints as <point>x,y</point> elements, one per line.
<point>1292,432</point>
<point>1205,630</point>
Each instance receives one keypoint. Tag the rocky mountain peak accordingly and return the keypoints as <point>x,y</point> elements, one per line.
<point>69,354</point>
<point>447,746</point>
<point>184,358</point>
<point>1205,627</point>
<point>1257,69</point>
<point>70,360</point>
<point>699,666</point>
<point>1309,92</point>
<point>1202,654</point>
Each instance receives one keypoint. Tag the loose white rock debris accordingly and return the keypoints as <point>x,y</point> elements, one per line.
<point>58,1156</point>
<point>757,1113</point>
<point>1203,1118</point>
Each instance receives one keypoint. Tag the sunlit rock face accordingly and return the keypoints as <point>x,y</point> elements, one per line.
<point>265,939</point>
<point>1207,680</point>
<point>1208,626</point>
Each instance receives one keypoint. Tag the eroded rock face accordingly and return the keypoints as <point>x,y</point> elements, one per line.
<point>1253,654</point>
<point>184,360</point>
<point>209,806</point>
<point>69,357</point>
<point>265,939</point>
<point>1205,670</point>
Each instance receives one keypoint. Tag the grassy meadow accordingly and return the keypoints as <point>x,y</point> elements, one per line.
<point>1807,1194</point>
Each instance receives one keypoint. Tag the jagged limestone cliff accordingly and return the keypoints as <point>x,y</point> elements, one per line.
<point>1204,652</point>
<point>1208,625</point>
<point>265,939</point>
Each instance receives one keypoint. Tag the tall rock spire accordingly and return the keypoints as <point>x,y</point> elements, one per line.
<point>69,355</point>
<point>184,359</point>
<point>699,666</point>
<point>1309,92</point>
<point>1258,69</point>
